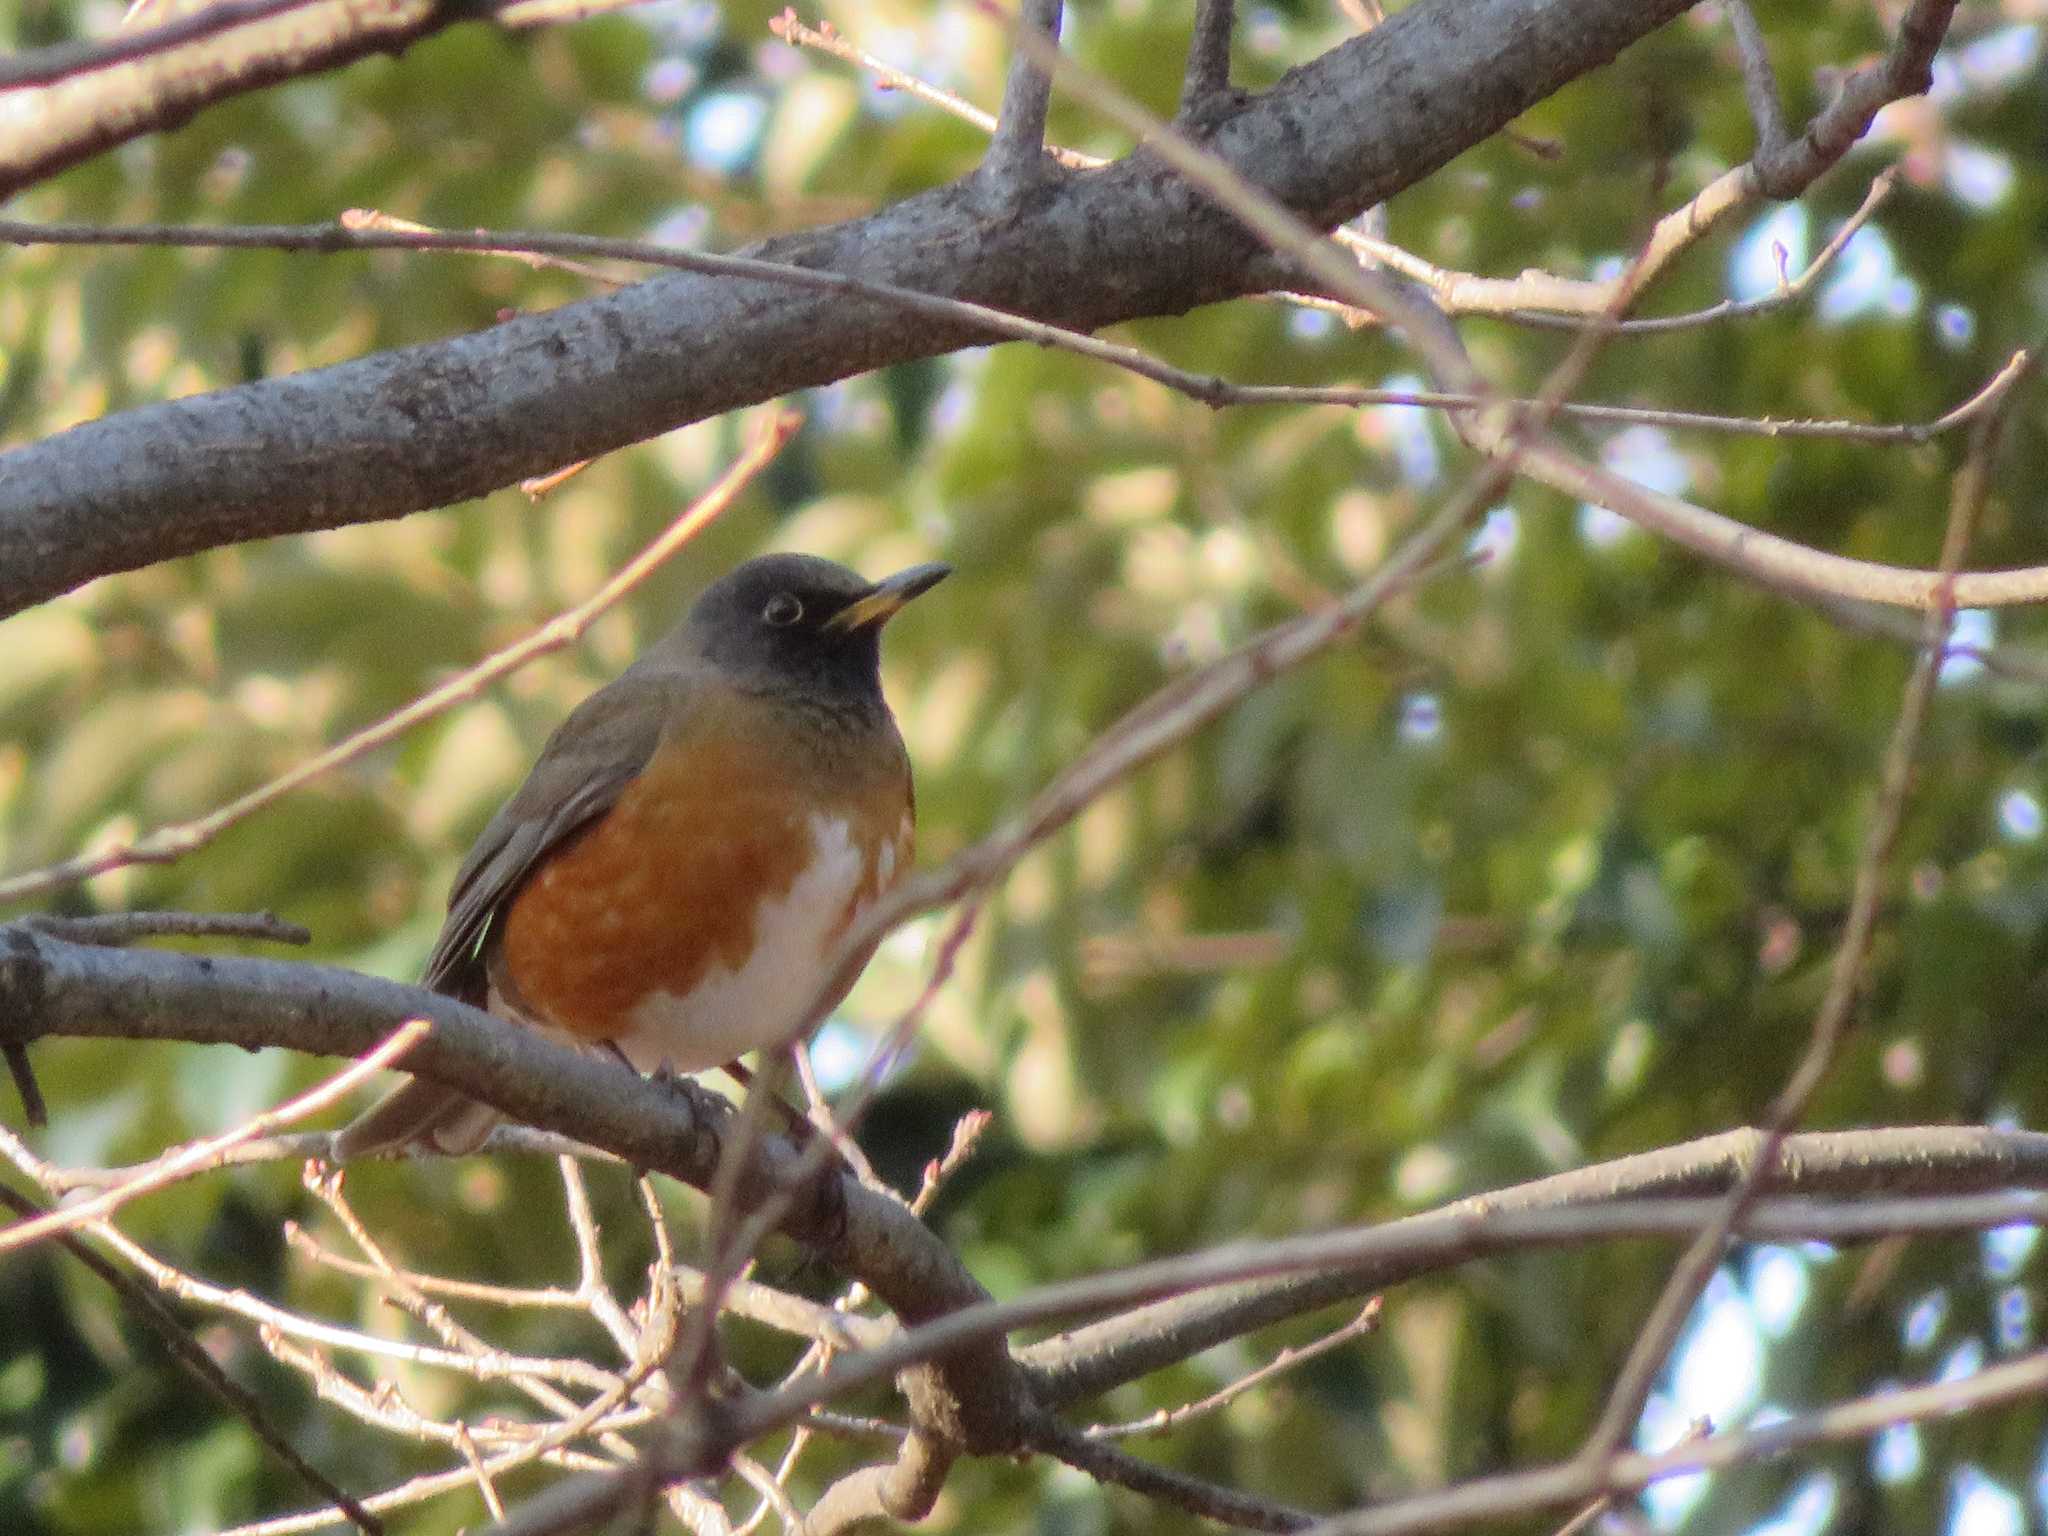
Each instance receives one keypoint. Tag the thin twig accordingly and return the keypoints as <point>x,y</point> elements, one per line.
<point>199,1156</point>
<point>325,1182</point>
<point>1208,389</point>
<point>186,1351</point>
<point>1107,1463</point>
<point>967,1133</point>
<point>1759,80</point>
<point>23,1072</point>
<point>1163,1420</point>
<point>115,928</point>
<point>1548,302</point>
<point>1689,1280</point>
<point>591,1289</point>
<point>826,38</point>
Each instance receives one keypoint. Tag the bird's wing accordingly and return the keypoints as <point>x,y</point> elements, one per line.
<point>591,757</point>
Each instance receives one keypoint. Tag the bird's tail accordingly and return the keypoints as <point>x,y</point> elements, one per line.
<point>417,1113</point>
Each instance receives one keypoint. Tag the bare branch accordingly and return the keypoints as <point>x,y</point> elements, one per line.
<point>201,1366</point>
<point>967,1134</point>
<point>201,1156</point>
<point>1212,1501</point>
<point>1209,389</point>
<point>826,38</point>
<point>1016,160</point>
<point>1906,70</point>
<point>1950,1162</point>
<point>104,94</point>
<point>1517,1494</point>
<point>1759,81</point>
<point>905,1488</point>
<point>45,66</point>
<point>1206,82</point>
<point>126,927</point>
<point>439,423</point>
<point>1688,1281</point>
<point>1167,1419</point>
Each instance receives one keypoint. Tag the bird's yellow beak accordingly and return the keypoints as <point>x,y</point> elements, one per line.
<point>888,595</point>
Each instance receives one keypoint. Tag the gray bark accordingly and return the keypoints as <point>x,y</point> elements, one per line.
<point>428,425</point>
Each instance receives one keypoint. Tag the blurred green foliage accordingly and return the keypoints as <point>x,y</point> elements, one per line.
<point>1545,868</point>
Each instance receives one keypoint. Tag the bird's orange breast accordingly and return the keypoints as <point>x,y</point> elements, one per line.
<point>689,873</point>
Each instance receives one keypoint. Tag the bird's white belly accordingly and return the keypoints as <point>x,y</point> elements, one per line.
<point>730,1012</point>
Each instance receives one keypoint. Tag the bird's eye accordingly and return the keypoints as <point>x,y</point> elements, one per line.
<point>782,610</point>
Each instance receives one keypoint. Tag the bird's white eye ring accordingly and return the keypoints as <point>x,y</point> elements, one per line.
<point>783,610</point>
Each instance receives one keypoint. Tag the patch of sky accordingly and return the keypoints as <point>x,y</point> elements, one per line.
<point>681,227</point>
<point>953,406</point>
<point>1408,432</point>
<point>1777,1284</point>
<point>1923,1320</point>
<point>1774,246</point>
<point>1720,1361</point>
<point>1670,1499</point>
<point>2019,818</point>
<point>1806,1510</point>
<point>1977,1506</point>
<point>1493,544</point>
<point>1600,528</point>
<point>1645,455</point>
<point>2013,1318</point>
<point>2007,1248</point>
<point>669,79</point>
<point>1978,177</point>
<point>839,1052</point>
<point>1896,1455</point>
<point>724,129</point>
<point>848,405</point>
<point>1999,59</point>
<point>1266,32</point>
<point>1422,719</point>
<point>1974,631</point>
<point>1962,1362</point>
<point>1305,324</point>
<point>1865,279</point>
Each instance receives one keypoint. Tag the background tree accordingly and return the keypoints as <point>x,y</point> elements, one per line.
<point>1600,840</point>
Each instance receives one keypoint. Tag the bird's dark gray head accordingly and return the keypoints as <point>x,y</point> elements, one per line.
<point>796,623</point>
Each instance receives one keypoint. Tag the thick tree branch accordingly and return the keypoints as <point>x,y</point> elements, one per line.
<point>102,94</point>
<point>434,424</point>
<point>1926,1160</point>
<point>45,66</point>
<point>49,987</point>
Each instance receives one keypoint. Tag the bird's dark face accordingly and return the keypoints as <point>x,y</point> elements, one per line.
<point>799,622</point>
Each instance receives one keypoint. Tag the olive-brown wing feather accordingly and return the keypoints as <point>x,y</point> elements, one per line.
<point>586,764</point>
<point>591,757</point>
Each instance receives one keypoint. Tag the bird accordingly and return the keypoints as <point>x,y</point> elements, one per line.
<point>695,840</point>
